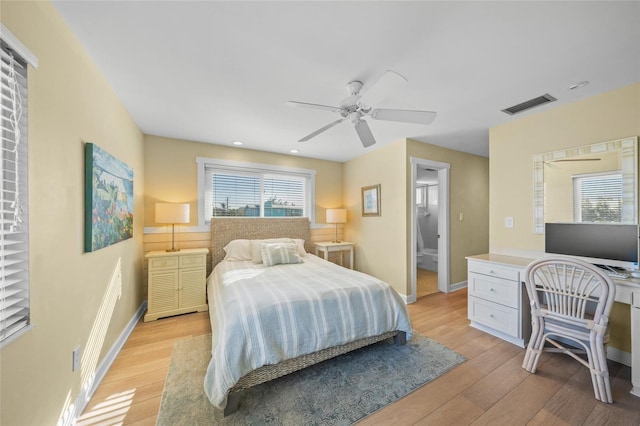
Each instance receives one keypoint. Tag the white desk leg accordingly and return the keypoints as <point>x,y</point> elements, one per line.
<point>635,343</point>
<point>326,254</point>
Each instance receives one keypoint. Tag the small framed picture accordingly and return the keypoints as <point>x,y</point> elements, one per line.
<point>371,200</point>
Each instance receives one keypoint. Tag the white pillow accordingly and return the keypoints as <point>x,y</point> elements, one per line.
<point>300,244</point>
<point>238,250</point>
<point>279,254</point>
<point>256,245</point>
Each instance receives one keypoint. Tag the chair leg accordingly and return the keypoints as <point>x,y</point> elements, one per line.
<point>600,374</point>
<point>534,348</point>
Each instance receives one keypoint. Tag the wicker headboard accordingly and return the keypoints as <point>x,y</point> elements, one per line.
<point>225,229</point>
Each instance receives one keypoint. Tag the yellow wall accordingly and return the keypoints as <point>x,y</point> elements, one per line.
<point>69,103</point>
<point>380,241</point>
<point>611,115</point>
<point>171,173</point>
<point>468,194</point>
<point>383,243</point>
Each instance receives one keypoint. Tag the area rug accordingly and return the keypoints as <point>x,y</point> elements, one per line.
<point>339,391</point>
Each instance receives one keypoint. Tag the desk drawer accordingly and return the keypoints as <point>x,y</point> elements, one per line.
<point>494,271</point>
<point>494,289</point>
<point>495,316</point>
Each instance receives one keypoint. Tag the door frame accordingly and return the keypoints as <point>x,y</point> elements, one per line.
<point>443,223</point>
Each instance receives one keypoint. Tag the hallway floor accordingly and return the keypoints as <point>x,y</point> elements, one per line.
<point>426,282</point>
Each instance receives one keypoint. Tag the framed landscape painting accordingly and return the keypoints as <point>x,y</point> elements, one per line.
<point>108,199</point>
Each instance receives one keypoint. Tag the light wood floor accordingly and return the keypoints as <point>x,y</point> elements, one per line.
<point>489,388</point>
<point>426,282</point>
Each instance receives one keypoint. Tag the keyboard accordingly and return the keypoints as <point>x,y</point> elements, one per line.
<point>618,275</point>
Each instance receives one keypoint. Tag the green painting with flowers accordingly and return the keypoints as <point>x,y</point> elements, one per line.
<point>108,199</point>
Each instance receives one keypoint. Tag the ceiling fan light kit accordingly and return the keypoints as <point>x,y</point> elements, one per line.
<point>357,106</point>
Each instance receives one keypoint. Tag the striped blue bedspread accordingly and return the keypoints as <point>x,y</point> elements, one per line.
<point>264,315</point>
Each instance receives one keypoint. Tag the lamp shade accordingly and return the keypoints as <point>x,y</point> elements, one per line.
<point>336,216</point>
<point>172,213</point>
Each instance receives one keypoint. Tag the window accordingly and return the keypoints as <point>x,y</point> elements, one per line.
<point>597,198</point>
<point>230,188</point>
<point>14,195</point>
<point>421,196</point>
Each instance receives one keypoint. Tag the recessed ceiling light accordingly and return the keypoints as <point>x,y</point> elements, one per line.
<point>236,143</point>
<point>293,151</point>
<point>578,85</point>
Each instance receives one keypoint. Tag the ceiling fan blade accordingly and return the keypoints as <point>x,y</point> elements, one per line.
<point>314,106</point>
<point>573,159</point>
<point>374,92</point>
<point>403,115</point>
<point>364,132</point>
<point>323,129</point>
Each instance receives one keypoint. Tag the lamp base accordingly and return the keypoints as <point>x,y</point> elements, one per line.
<point>173,240</point>
<point>336,240</point>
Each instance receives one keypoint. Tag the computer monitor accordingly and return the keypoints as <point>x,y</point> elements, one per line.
<point>598,243</point>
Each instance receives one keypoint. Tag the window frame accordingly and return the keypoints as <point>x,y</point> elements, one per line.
<point>26,59</point>
<point>246,168</point>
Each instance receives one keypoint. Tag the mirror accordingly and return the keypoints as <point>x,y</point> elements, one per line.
<point>563,180</point>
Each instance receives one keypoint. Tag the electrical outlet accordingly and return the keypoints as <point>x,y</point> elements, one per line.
<point>76,354</point>
<point>508,222</point>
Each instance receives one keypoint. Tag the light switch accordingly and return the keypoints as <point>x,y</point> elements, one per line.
<point>508,222</point>
<point>461,217</point>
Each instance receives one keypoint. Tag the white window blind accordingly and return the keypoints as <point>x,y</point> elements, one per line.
<point>255,194</point>
<point>14,228</point>
<point>230,188</point>
<point>597,198</point>
<point>235,194</point>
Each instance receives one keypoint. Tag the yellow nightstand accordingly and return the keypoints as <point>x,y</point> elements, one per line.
<point>329,247</point>
<point>177,283</point>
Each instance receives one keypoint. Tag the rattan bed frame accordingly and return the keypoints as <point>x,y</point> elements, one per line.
<point>224,230</point>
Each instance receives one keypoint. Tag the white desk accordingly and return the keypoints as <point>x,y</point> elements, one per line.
<point>627,292</point>
<point>329,247</point>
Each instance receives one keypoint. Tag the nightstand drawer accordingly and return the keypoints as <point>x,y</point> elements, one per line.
<point>494,289</point>
<point>191,261</point>
<point>164,262</point>
<point>493,315</point>
<point>494,271</point>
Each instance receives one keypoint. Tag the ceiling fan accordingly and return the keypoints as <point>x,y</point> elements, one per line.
<point>552,163</point>
<point>357,106</point>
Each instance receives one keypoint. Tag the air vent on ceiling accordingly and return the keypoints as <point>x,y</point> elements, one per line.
<point>531,103</point>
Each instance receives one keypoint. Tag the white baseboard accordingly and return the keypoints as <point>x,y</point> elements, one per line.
<point>619,356</point>
<point>408,298</point>
<point>458,286</point>
<point>89,388</point>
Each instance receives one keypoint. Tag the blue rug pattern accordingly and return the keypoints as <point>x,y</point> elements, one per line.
<point>339,391</point>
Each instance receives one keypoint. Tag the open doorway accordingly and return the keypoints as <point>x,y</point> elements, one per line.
<point>429,227</point>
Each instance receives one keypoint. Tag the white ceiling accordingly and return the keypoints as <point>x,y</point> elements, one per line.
<point>222,71</point>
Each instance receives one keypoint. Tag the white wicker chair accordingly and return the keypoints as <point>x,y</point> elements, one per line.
<point>560,289</point>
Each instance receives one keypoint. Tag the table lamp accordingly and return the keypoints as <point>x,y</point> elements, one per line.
<point>336,216</point>
<point>172,213</point>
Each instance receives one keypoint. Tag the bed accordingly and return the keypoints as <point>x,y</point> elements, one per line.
<point>291,311</point>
